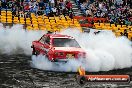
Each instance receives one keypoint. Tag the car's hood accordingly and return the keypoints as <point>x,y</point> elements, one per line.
<point>69,49</point>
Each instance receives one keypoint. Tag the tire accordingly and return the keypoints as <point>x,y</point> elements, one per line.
<point>34,52</point>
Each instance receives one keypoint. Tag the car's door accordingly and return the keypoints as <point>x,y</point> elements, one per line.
<point>39,44</point>
<point>47,43</point>
<point>44,44</point>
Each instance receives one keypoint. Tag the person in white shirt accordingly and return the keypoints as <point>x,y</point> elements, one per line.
<point>52,3</point>
<point>54,10</point>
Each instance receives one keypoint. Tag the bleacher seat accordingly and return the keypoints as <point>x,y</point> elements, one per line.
<point>57,23</point>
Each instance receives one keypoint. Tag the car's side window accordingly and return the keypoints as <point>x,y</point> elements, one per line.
<point>47,40</point>
<point>42,40</point>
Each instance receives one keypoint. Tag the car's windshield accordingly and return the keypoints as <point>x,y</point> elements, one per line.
<point>65,42</point>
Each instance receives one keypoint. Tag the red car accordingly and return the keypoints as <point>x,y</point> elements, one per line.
<point>57,47</point>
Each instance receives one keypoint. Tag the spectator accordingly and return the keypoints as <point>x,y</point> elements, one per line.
<point>47,10</point>
<point>71,15</point>
<point>65,12</point>
<point>55,7</point>
<point>21,14</point>
<point>78,2</point>
<point>83,7</point>
<point>31,9</point>
<point>4,5</point>
<point>61,3</point>
<point>58,10</point>
<point>68,5</point>
<point>52,3</point>
<point>39,12</point>
<point>115,10</point>
<point>17,13</point>
<point>28,15</point>
<point>26,7</point>
<point>14,10</point>
<point>54,10</point>
<point>35,8</point>
<point>41,4</point>
<point>0,4</point>
<point>9,4</point>
<point>125,33</point>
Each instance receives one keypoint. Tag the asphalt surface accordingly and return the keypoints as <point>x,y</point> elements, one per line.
<point>16,72</point>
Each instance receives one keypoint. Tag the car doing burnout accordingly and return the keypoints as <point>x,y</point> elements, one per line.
<point>57,47</point>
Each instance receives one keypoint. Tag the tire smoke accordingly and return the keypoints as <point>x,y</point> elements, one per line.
<point>16,40</point>
<point>104,51</point>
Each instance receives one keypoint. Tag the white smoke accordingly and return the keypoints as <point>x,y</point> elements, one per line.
<point>43,63</point>
<point>104,51</point>
<point>16,38</point>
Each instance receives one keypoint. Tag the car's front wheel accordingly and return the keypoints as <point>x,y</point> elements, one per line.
<point>34,52</point>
